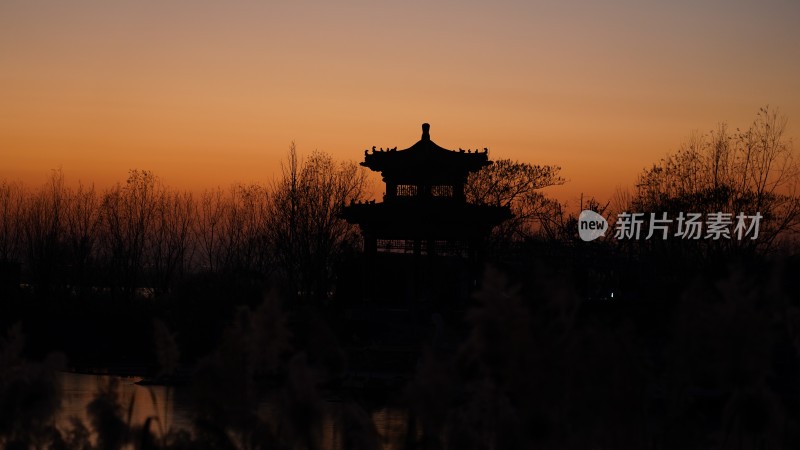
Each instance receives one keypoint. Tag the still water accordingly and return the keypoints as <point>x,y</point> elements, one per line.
<point>170,406</point>
<point>161,402</point>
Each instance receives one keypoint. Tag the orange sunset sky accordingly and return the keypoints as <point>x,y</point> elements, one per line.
<point>207,93</point>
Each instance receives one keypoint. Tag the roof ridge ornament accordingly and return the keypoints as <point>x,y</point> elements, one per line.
<point>426,135</point>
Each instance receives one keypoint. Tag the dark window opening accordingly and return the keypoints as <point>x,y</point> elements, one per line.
<point>406,190</point>
<point>442,191</point>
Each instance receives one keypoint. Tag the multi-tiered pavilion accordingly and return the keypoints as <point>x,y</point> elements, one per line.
<point>426,218</point>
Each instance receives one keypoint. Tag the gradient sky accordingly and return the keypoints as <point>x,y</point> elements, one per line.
<point>207,93</point>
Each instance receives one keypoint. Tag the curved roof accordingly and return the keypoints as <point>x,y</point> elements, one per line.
<point>426,156</point>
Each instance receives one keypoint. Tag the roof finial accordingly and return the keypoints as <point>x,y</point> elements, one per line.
<point>426,136</point>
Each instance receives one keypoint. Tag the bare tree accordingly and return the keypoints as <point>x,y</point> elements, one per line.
<point>209,228</point>
<point>82,225</point>
<point>307,232</point>
<point>748,171</point>
<point>43,231</point>
<point>231,229</point>
<point>169,244</point>
<point>12,200</point>
<point>127,220</point>
<point>246,229</point>
<point>518,186</point>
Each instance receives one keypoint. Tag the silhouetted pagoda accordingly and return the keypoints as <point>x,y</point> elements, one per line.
<point>424,240</point>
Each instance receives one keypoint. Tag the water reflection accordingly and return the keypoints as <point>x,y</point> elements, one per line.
<point>169,405</point>
<point>172,407</point>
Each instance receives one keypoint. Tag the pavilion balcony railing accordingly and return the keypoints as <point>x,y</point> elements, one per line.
<point>440,247</point>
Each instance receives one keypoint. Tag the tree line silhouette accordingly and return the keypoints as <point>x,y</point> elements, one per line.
<point>140,237</point>
<point>746,170</point>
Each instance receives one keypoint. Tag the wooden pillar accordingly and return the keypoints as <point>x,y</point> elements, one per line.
<point>476,258</point>
<point>370,256</point>
<point>458,192</point>
<point>391,190</point>
<point>418,272</point>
